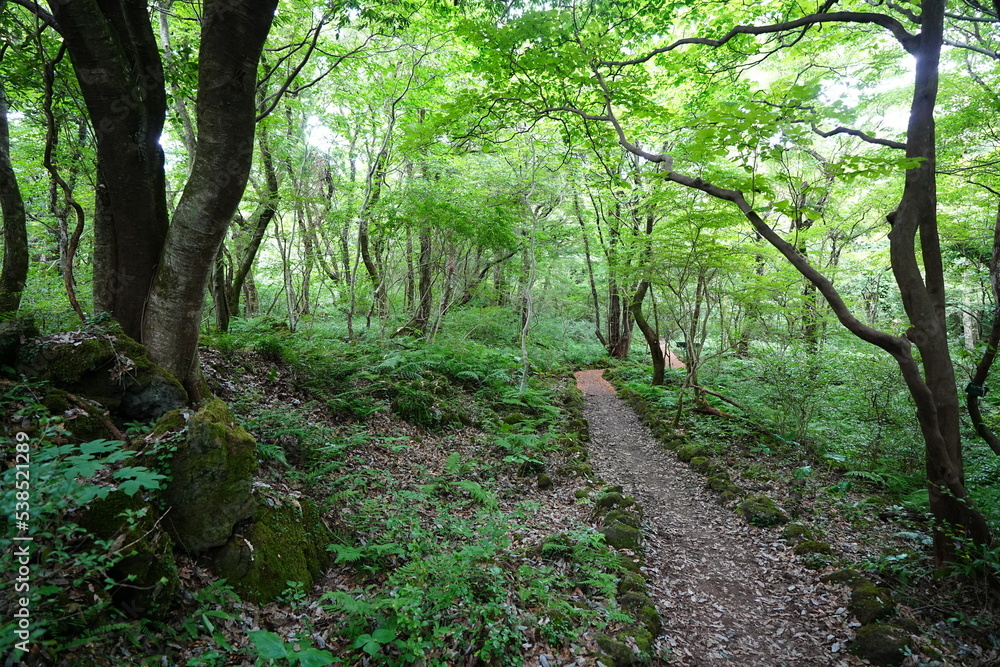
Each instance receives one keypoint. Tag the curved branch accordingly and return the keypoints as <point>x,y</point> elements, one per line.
<point>898,30</point>
<point>42,15</point>
<point>978,49</point>
<point>900,145</point>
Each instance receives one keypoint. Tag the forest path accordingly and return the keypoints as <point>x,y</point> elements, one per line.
<point>728,593</point>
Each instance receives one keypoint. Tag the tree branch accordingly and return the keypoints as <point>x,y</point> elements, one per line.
<point>42,15</point>
<point>900,145</point>
<point>978,49</point>
<point>898,30</point>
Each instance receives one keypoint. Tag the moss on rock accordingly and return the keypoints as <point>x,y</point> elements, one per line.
<point>846,577</point>
<point>881,644</point>
<point>617,652</point>
<point>813,547</point>
<point>759,510</point>
<point>632,582</point>
<point>626,517</point>
<point>281,544</point>
<point>619,535</point>
<point>641,606</point>
<point>146,581</point>
<point>687,453</point>
<point>794,533</point>
<point>105,366</point>
<point>211,477</point>
<point>870,603</point>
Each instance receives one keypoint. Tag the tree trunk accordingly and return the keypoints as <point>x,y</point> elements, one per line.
<point>652,338</point>
<point>14,273</point>
<point>117,63</point>
<point>977,386</point>
<point>233,34</point>
<point>262,217</point>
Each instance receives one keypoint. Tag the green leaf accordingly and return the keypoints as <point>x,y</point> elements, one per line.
<point>313,657</point>
<point>269,645</point>
<point>383,635</point>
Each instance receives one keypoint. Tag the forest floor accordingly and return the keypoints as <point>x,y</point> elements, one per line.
<point>727,592</point>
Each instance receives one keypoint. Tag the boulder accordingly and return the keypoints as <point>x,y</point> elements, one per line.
<point>14,333</point>
<point>871,603</point>
<point>761,511</point>
<point>881,644</point>
<point>211,475</point>
<point>146,580</point>
<point>619,535</point>
<point>104,365</point>
<point>285,542</point>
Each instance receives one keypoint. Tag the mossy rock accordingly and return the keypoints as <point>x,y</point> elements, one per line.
<point>577,470</point>
<point>718,482</point>
<point>617,653</point>
<point>14,333</point>
<point>632,582</point>
<point>580,494</point>
<point>731,494</point>
<point>609,499</point>
<point>687,453</point>
<point>104,366</point>
<point>619,535</point>
<point>641,606</point>
<point>881,644</point>
<point>626,517</point>
<point>700,464</point>
<point>870,603</point>
<point>642,637</point>
<point>846,577</point>
<point>794,533</point>
<point>812,547</point>
<point>83,421</point>
<point>674,442</point>
<point>211,476</point>
<point>543,482</point>
<point>761,511</point>
<point>281,544</point>
<point>146,581</point>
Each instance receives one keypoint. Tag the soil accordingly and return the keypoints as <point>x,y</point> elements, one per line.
<point>728,593</point>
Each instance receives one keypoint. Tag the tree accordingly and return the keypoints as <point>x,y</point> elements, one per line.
<point>150,270</point>
<point>14,273</point>
<point>573,40</point>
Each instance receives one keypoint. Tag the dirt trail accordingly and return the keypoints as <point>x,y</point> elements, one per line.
<point>728,593</point>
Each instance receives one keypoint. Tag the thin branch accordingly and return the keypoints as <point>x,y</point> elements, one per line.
<point>898,30</point>
<point>978,49</point>
<point>901,145</point>
<point>42,15</point>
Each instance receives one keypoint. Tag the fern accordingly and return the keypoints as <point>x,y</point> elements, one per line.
<point>453,465</point>
<point>619,616</point>
<point>346,554</point>
<point>477,492</point>
<point>877,478</point>
<point>345,603</point>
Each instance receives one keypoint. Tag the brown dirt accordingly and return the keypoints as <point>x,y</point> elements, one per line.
<point>728,593</point>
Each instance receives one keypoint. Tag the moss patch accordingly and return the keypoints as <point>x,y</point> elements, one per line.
<point>871,603</point>
<point>146,581</point>
<point>812,547</point>
<point>881,644</point>
<point>761,511</point>
<point>281,544</point>
<point>211,477</point>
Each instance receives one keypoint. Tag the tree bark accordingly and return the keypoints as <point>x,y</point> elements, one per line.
<point>117,63</point>
<point>233,34</point>
<point>652,338</point>
<point>14,274</point>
